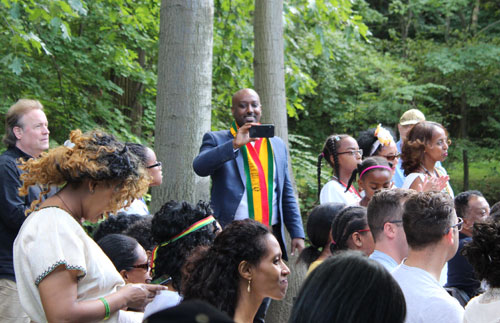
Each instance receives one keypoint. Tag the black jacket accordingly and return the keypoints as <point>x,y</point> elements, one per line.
<point>12,207</point>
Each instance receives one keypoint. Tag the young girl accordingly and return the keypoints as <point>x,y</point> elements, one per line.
<point>379,142</point>
<point>350,231</point>
<point>343,154</point>
<point>375,173</point>
<point>319,225</point>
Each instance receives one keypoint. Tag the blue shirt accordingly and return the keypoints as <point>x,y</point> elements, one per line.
<point>384,259</point>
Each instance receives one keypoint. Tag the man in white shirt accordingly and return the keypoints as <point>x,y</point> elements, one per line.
<point>431,226</point>
<point>385,218</point>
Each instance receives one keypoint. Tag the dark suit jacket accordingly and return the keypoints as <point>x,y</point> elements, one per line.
<point>225,166</point>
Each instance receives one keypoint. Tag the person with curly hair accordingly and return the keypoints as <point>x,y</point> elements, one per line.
<point>350,231</point>
<point>379,142</point>
<point>115,224</point>
<point>319,225</point>
<point>349,288</point>
<point>64,275</point>
<point>242,267</point>
<point>177,229</point>
<point>483,253</point>
<point>427,143</point>
<point>342,153</point>
<point>141,231</point>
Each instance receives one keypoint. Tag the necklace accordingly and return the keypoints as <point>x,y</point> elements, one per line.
<point>65,205</point>
<point>426,171</point>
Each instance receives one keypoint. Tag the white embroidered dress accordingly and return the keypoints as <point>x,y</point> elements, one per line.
<point>51,237</point>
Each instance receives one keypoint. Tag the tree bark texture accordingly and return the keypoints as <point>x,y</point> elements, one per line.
<point>183,103</point>
<point>269,68</point>
<point>269,79</point>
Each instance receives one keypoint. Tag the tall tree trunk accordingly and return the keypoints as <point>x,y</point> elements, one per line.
<point>475,17</point>
<point>184,97</point>
<point>269,66</point>
<point>269,73</point>
<point>463,116</point>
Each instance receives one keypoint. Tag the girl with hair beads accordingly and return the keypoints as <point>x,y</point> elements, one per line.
<point>375,173</point>
<point>343,154</point>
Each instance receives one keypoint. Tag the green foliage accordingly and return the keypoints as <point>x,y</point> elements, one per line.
<point>71,54</point>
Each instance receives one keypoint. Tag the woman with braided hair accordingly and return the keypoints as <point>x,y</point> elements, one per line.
<point>350,231</point>
<point>342,153</point>
<point>62,274</point>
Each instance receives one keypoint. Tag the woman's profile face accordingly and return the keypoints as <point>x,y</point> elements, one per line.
<point>390,152</point>
<point>269,278</point>
<point>140,273</point>
<point>437,149</point>
<point>154,169</point>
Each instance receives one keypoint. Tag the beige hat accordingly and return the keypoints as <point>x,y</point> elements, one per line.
<point>411,116</point>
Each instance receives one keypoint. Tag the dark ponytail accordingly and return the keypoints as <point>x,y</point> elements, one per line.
<point>349,220</point>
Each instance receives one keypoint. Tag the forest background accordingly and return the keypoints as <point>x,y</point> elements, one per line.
<point>349,65</point>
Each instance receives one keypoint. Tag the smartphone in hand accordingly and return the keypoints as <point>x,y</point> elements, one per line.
<point>262,131</point>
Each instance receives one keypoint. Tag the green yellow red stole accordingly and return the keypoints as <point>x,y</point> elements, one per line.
<point>258,161</point>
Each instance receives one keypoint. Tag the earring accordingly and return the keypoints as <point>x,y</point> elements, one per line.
<point>248,288</point>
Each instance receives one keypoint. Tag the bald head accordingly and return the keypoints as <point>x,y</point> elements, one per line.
<point>246,107</point>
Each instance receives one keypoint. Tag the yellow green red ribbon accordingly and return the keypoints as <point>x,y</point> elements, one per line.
<point>193,227</point>
<point>258,161</point>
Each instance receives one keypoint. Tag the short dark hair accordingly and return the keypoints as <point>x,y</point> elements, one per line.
<point>349,288</point>
<point>173,218</point>
<point>212,274</point>
<point>349,220</point>
<point>115,224</point>
<point>139,150</point>
<point>141,231</point>
<point>483,252</point>
<point>495,211</point>
<point>319,224</point>
<point>120,249</point>
<point>427,217</point>
<point>462,202</point>
<point>385,206</point>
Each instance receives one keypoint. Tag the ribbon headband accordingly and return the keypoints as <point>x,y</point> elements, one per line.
<point>193,227</point>
<point>384,138</point>
<point>374,167</point>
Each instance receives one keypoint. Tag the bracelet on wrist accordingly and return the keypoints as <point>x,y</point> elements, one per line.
<point>106,307</point>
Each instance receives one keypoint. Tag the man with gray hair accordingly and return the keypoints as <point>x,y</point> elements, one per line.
<point>27,136</point>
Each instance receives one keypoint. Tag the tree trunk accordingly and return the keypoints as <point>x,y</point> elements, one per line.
<point>463,116</point>
<point>475,16</point>
<point>269,74</point>
<point>269,66</point>
<point>183,103</point>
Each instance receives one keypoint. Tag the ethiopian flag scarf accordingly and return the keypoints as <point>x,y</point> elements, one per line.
<point>258,160</point>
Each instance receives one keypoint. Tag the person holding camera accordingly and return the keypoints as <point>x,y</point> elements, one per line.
<point>250,176</point>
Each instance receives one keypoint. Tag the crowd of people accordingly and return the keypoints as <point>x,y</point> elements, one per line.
<point>388,241</point>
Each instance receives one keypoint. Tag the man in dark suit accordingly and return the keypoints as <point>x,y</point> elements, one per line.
<point>227,156</point>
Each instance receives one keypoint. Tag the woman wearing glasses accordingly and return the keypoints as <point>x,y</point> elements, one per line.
<point>350,230</point>
<point>148,159</point>
<point>427,143</point>
<point>342,153</point>
<point>379,142</point>
<point>62,274</point>
<point>128,256</point>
